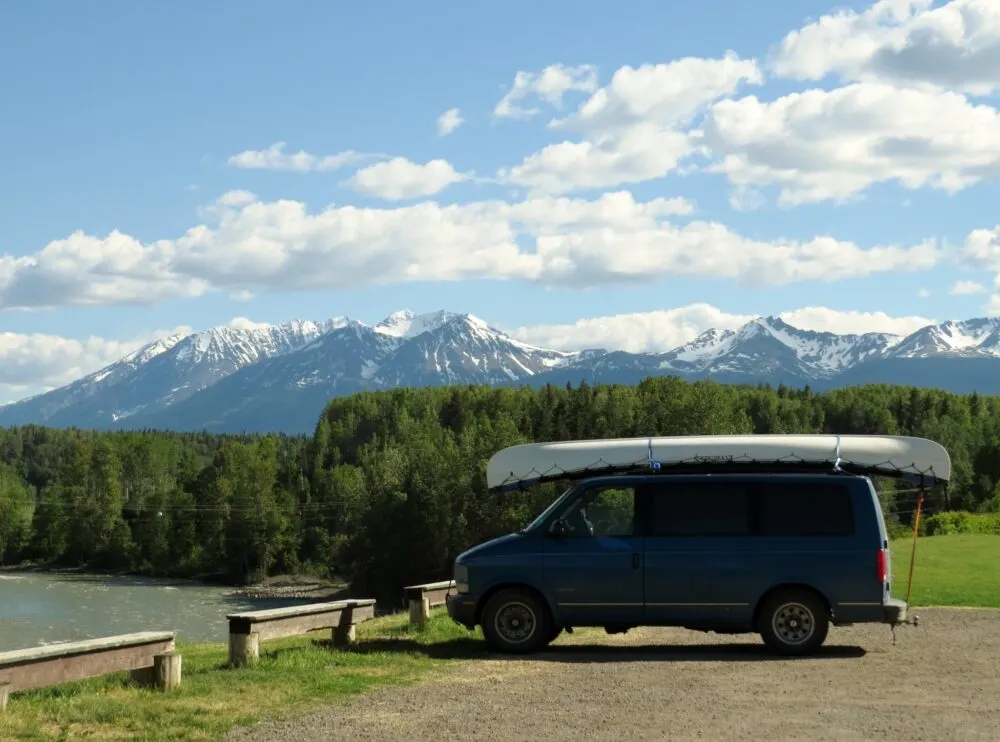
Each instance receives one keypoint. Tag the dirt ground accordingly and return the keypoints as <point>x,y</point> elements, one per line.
<point>940,682</point>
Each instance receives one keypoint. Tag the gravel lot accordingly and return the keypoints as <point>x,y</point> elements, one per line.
<point>940,682</point>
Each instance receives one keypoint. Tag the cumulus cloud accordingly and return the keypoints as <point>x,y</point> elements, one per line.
<point>632,130</point>
<point>279,245</point>
<point>549,85</point>
<point>832,145</point>
<point>449,121</point>
<point>399,178</point>
<point>664,330</point>
<point>38,361</point>
<point>955,45</point>
<point>967,288</point>
<point>275,158</point>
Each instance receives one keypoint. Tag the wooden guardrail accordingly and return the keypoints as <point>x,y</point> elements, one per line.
<point>149,655</point>
<point>247,630</point>
<point>423,597</point>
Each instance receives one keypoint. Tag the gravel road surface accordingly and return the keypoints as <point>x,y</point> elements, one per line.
<point>940,682</point>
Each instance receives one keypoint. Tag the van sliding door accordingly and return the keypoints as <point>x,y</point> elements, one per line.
<point>696,552</point>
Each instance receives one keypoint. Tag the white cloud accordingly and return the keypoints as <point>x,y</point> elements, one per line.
<point>242,296</point>
<point>992,307</point>
<point>637,332</point>
<point>449,121</point>
<point>399,178</point>
<point>244,323</point>
<point>275,158</point>
<point>549,85</point>
<point>955,45</point>
<point>822,319</point>
<point>29,361</point>
<point>664,330</point>
<point>923,294</point>
<point>832,145</point>
<point>982,249</point>
<point>631,129</point>
<point>967,288</point>
<point>280,246</point>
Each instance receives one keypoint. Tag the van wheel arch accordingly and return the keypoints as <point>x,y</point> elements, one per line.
<point>478,618</point>
<point>810,601</point>
<point>787,586</point>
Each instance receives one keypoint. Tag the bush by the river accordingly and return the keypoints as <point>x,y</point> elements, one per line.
<point>391,487</point>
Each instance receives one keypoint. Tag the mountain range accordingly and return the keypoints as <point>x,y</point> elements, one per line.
<point>279,377</point>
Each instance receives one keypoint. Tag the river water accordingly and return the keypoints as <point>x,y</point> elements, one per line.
<point>39,608</point>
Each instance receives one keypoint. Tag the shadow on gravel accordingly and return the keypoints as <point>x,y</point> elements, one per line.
<point>461,649</point>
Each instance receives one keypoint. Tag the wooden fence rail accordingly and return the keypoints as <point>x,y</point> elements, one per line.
<point>423,597</point>
<point>149,655</point>
<point>247,630</point>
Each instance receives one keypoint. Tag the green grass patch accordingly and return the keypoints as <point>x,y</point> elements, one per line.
<point>953,570</point>
<point>293,675</point>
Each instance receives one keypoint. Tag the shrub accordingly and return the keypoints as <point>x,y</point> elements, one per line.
<point>944,524</point>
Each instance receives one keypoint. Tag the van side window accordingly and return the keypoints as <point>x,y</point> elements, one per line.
<point>603,511</point>
<point>804,510</point>
<point>700,509</point>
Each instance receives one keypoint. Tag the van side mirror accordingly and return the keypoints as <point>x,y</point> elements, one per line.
<point>560,528</point>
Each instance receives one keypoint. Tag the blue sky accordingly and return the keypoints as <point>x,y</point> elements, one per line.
<point>123,117</point>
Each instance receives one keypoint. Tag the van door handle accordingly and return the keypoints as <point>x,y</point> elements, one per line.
<point>635,561</point>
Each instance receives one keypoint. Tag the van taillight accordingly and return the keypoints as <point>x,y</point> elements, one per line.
<point>882,561</point>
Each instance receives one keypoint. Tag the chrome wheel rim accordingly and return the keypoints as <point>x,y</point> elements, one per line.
<point>515,622</point>
<point>793,623</point>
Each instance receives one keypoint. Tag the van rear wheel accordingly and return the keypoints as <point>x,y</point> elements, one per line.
<point>794,622</point>
<point>515,621</point>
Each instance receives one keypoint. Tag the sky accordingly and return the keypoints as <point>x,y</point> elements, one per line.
<point>578,174</point>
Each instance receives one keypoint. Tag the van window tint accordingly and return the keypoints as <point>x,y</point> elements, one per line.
<point>808,509</point>
<point>700,509</point>
<point>602,511</point>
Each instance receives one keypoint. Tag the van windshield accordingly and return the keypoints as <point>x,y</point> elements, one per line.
<point>545,513</point>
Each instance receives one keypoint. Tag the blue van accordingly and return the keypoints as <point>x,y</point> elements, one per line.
<point>781,554</point>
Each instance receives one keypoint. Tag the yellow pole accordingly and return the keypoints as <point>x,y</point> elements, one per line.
<point>913,552</point>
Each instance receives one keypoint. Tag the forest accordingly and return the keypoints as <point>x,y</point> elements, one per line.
<point>391,485</point>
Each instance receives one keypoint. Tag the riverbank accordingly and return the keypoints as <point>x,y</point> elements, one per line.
<point>293,676</point>
<point>277,587</point>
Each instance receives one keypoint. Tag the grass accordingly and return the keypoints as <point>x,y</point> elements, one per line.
<point>303,673</point>
<point>293,675</point>
<point>953,570</point>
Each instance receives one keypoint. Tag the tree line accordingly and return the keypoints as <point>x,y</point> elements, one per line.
<point>391,486</point>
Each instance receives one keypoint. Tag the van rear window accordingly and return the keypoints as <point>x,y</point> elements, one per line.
<point>774,509</point>
<point>701,509</point>
<point>803,510</point>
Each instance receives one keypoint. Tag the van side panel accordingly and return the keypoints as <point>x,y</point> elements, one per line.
<point>717,580</point>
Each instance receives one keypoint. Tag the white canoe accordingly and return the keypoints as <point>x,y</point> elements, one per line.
<point>886,455</point>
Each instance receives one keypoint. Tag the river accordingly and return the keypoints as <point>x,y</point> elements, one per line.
<point>39,608</point>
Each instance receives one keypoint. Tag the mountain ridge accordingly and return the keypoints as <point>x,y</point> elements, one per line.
<point>278,377</point>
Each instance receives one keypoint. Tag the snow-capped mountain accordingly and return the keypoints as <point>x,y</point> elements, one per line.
<point>279,377</point>
<point>162,373</point>
<point>771,345</point>
<point>463,349</point>
<point>970,338</point>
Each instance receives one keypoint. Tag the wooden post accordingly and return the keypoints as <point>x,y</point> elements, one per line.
<point>244,649</point>
<point>167,670</point>
<point>420,611</point>
<point>4,693</point>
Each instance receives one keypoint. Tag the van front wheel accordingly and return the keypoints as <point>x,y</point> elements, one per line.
<point>794,622</point>
<point>515,621</point>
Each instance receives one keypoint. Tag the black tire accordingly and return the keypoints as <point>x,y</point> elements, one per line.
<point>516,621</point>
<point>794,622</point>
